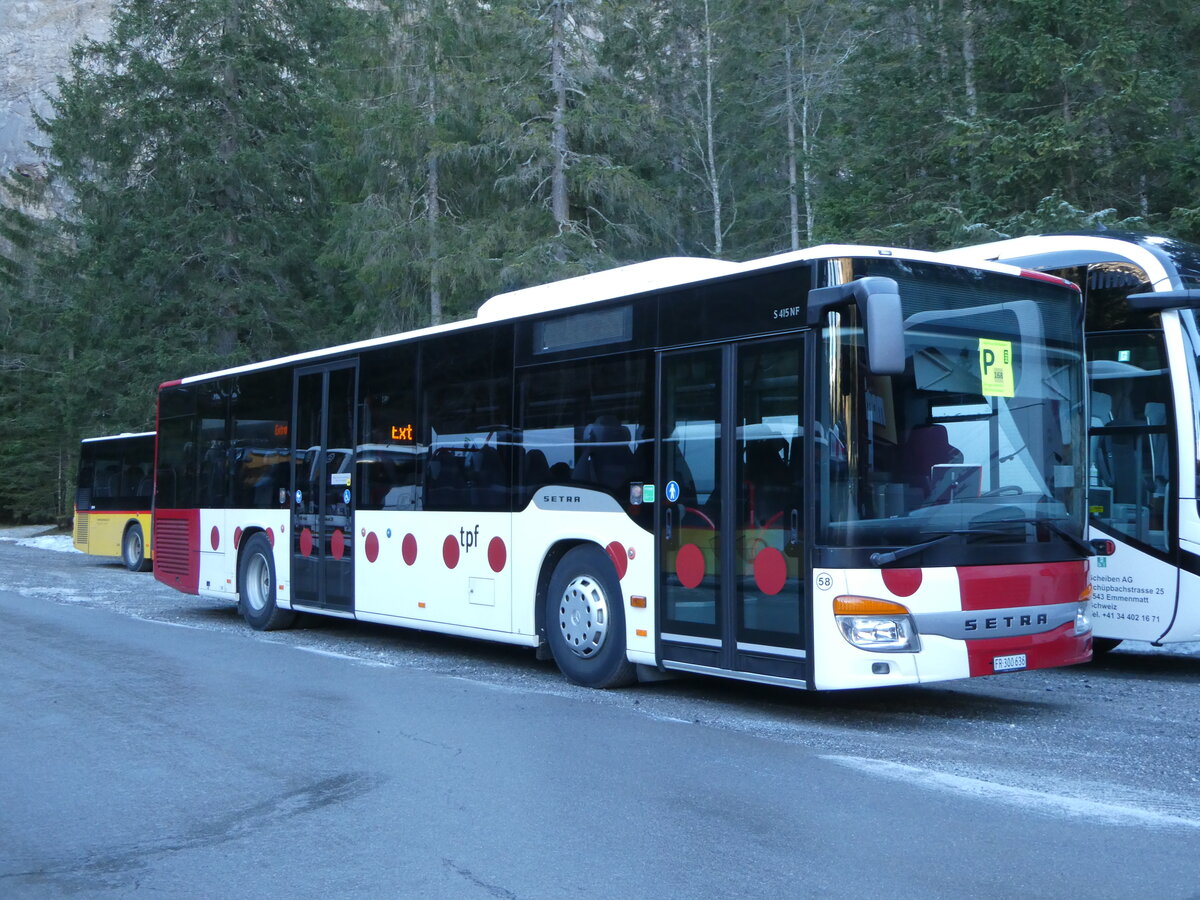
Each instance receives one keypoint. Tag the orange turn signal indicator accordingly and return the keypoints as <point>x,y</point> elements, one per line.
<point>637,602</point>
<point>867,606</point>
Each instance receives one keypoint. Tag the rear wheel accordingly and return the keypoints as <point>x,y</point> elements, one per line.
<point>256,586</point>
<point>133,549</point>
<point>585,620</point>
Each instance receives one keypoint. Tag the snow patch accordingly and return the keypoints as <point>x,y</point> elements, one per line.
<point>60,543</point>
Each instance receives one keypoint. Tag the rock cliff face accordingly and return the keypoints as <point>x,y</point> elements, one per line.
<point>35,44</point>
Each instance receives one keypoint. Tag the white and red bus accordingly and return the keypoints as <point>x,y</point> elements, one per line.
<point>113,490</point>
<point>1142,293</point>
<point>837,468</point>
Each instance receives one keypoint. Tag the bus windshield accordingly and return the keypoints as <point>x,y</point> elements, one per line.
<point>978,444</point>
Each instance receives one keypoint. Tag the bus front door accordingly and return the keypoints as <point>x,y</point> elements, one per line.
<point>730,505</point>
<point>322,538</point>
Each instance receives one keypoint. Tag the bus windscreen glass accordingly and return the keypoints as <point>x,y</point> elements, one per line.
<point>978,443</point>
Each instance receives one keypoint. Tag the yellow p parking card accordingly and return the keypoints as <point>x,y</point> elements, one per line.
<point>996,368</point>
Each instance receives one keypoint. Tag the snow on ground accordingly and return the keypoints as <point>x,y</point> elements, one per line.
<point>59,542</point>
<point>39,537</point>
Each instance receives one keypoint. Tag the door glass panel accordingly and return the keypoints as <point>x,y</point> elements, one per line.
<point>769,468</point>
<point>1129,479</point>
<point>337,527</point>
<point>308,461</point>
<point>322,509</point>
<point>691,500</point>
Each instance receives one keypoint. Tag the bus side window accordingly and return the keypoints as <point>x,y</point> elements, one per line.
<point>585,423</point>
<point>466,406</point>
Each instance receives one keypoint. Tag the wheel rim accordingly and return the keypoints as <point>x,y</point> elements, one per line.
<point>583,616</point>
<point>258,582</point>
<point>133,548</point>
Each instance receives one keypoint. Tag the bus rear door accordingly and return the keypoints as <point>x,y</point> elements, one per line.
<point>322,539</point>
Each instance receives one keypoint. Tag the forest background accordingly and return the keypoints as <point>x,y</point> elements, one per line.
<point>232,180</point>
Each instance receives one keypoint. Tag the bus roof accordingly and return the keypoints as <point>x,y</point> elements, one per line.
<point>118,437</point>
<point>1163,259</point>
<point>609,284</point>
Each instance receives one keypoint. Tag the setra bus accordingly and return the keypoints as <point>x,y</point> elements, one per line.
<point>1143,350</point>
<point>113,490</point>
<point>836,468</point>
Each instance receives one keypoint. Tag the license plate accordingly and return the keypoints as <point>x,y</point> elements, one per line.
<point>1008,663</point>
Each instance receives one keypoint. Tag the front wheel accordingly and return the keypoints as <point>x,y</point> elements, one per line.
<point>257,586</point>
<point>585,620</point>
<point>133,549</point>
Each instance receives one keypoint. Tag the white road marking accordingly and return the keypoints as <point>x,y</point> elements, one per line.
<point>1056,804</point>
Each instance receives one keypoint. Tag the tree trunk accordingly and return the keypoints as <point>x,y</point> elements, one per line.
<point>433,207</point>
<point>710,164</point>
<point>968,54</point>
<point>790,118</point>
<point>226,337</point>
<point>559,205</point>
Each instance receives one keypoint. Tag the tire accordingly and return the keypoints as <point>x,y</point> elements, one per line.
<point>257,586</point>
<point>133,549</point>
<point>1101,646</point>
<point>585,620</point>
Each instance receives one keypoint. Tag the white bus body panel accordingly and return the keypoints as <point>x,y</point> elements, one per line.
<point>455,571</point>
<point>221,533</point>
<point>1133,594</point>
<point>838,664</point>
<point>451,568</point>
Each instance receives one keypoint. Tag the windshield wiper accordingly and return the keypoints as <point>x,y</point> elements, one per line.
<point>1082,546</point>
<point>882,559</point>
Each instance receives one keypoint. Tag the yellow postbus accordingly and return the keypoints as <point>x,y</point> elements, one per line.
<point>112,498</point>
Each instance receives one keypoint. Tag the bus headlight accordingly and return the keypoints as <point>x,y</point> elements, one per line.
<point>880,625</point>
<point>1083,624</point>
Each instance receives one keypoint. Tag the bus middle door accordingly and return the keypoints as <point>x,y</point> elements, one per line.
<point>322,539</point>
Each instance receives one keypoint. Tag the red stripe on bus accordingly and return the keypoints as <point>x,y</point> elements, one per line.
<point>1034,584</point>
<point>1031,584</point>
<point>1060,647</point>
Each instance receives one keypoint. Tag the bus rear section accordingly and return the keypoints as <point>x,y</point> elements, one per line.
<point>845,467</point>
<point>113,492</point>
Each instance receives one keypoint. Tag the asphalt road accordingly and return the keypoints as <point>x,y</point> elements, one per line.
<point>153,744</point>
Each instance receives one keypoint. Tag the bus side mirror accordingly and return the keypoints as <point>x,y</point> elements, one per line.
<point>878,302</point>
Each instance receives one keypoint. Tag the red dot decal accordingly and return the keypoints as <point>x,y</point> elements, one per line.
<point>616,552</point>
<point>689,565</point>
<point>902,582</point>
<point>214,537</point>
<point>770,571</point>
<point>372,547</point>
<point>497,554</point>
<point>306,542</point>
<point>337,544</point>
<point>237,538</point>
<point>450,551</point>
<point>408,549</point>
